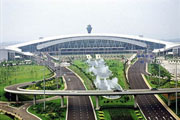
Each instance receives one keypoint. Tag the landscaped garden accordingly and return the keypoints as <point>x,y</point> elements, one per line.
<point>109,107</point>
<point>53,84</point>
<point>159,80</point>
<point>53,110</point>
<point>164,81</point>
<point>116,114</point>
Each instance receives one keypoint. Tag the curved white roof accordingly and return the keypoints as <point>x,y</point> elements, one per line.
<point>48,39</point>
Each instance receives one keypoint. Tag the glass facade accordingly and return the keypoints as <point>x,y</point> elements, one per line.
<point>89,46</point>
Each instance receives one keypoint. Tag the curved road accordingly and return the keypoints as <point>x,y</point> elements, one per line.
<point>79,108</point>
<point>150,106</point>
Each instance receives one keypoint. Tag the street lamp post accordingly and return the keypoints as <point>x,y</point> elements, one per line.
<point>59,67</point>
<point>159,68</point>
<point>175,56</point>
<point>44,86</point>
<point>176,87</point>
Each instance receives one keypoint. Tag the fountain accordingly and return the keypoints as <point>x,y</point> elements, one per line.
<point>102,73</point>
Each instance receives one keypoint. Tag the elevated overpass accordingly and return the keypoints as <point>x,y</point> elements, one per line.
<point>17,90</point>
<point>92,92</point>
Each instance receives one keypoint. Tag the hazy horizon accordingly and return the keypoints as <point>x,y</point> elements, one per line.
<point>25,20</point>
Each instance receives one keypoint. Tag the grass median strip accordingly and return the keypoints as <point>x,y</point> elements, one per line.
<point>107,105</point>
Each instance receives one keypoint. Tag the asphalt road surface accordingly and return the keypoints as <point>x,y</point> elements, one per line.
<point>79,107</point>
<point>151,107</point>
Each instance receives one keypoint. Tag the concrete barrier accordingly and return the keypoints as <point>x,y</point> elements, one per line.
<point>12,114</point>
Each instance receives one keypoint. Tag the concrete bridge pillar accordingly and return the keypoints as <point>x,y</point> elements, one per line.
<point>169,99</point>
<point>62,101</point>
<point>34,100</point>
<point>9,96</point>
<point>97,102</point>
<point>135,101</point>
<point>17,98</point>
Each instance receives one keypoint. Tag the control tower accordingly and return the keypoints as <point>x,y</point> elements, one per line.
<point>89,29</point>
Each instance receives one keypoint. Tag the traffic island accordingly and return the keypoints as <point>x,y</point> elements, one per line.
<point>53,110</point>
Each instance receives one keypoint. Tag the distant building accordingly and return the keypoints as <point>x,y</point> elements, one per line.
<point>3,55</point>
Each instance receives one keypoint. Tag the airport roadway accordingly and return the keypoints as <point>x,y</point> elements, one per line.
<point>150,106</point>
<point>79,107</point>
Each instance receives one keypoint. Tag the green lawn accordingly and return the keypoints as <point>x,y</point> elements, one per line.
<point>4,117</point>
<point>123,113</point>
<point>53,110</point>
<point>117,69</point>
<point>19,74</point>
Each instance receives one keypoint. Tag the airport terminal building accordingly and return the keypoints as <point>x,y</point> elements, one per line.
<point>89,44</point>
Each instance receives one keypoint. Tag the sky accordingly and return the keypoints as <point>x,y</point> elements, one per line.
<point>26,20</point>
